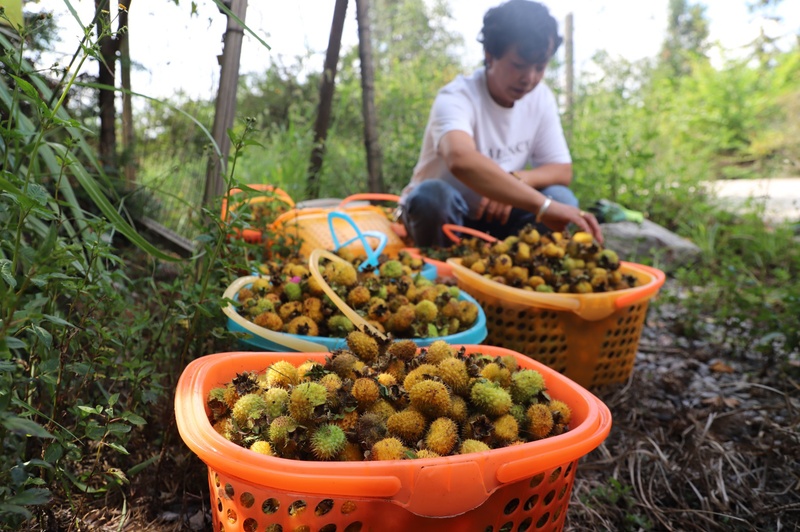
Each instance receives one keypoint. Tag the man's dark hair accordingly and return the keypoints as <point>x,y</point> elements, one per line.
<point>526,24</point>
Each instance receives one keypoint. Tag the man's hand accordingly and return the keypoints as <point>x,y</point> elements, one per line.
<point>493,210</point>
<point>559,215</point>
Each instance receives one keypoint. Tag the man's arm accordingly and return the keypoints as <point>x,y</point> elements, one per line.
<point>546,175</point>
<point>484,176</point>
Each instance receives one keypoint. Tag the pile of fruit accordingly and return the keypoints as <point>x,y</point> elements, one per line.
<point>384,400</point>
<point>555,262</point>
<point>392,297</point>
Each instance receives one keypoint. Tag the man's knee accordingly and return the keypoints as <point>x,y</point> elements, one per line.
<point>427,196</point>
<point>430,205</point>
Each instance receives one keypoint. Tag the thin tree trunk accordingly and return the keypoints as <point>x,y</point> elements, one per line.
<point>326,89</point>
<point>371,143</point>
<point>128,137</point>
<point>226,102</point>
<point>106,75</point>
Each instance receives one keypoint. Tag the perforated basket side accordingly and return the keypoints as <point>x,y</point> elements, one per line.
<point>593,353</point>
<point>538,503</point>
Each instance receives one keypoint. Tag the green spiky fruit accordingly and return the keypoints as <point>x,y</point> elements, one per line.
<point>525,385</point>
<point>281,430</point>
<point>391,269</point>
<point>490,398</point>
<point>248,408</point>
<point>327,441</point>
<point>276,400</point>
<point>304,399</point>
<point>293,291</point>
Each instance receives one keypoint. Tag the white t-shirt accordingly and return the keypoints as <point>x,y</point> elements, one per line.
<point>529,133</point>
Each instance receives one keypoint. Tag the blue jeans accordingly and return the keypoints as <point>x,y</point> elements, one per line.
<point>434,203</point>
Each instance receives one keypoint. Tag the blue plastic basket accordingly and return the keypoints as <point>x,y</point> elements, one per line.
<point>474,335</point>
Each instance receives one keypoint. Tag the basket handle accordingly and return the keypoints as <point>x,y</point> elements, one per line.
<point>372,254</point>
<point>283,339</point>
<point>448,230</point>
<point>372,196</point>
<point>280,194</point>
<point>646,292</point>
<point>294,213</point>
<point>352,315</point>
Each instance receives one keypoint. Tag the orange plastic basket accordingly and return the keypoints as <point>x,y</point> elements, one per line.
<point>590,338</point>
<point>521,487</point>
<point>309,227</point>
<point>251,235</point>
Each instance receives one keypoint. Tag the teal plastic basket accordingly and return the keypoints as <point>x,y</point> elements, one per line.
<point>266,340</point>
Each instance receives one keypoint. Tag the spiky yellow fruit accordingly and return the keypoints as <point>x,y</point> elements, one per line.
<point>506,429</point>
<point>561,412</point>
<point>408,425</point>
<point>430,398</point>
<point>403,349</point>
<point>419,374</point>
<point>438,351</point>
<point>262,447</point>
<point>453,372</point>
<point>365,390</point>
<point>497,373</point>
<point>442,436</point>
<point>540,420</point>
<point>282,374</point>
<point>472,446</point>
<point>363,345</point>
<point>388,449</point>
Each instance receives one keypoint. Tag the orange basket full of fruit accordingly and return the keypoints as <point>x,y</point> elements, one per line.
<point>561,299</point>
<point>387,436</point>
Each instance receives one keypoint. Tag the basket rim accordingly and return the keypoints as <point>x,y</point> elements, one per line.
<point>592,306</point>
<point>393,479</point>
<point>304,343</point>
